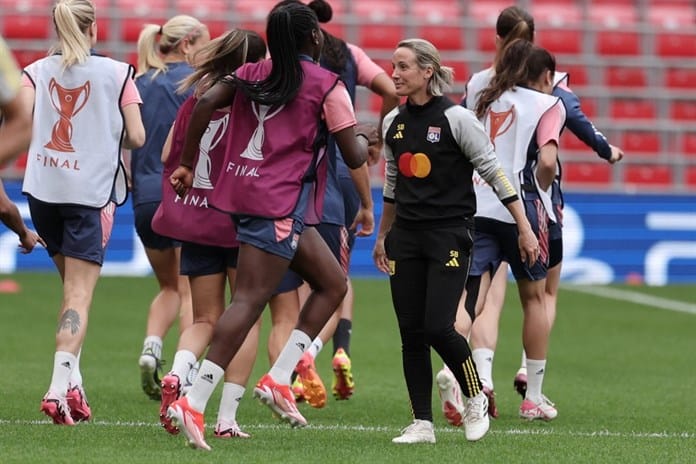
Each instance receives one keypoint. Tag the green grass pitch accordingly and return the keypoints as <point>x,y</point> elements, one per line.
<point>622,375</point>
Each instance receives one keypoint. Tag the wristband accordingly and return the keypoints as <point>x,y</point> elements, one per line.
<point>190,168</point>
<point>360,134</point>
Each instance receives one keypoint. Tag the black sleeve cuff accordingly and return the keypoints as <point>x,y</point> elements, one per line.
<point>508,200</point>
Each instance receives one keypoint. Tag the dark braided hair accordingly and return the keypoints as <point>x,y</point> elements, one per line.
<point>289,28</point>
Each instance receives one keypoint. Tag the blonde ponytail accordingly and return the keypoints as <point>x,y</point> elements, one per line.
<point>172,34</point>
<point>72,19</point>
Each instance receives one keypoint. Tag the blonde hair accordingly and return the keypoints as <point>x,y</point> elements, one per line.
<point>72,19</point>
<point>216,59</point>
<point>428,56</point>
<point>172,34</point>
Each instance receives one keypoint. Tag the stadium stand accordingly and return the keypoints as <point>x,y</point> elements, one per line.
<point>631,62</point>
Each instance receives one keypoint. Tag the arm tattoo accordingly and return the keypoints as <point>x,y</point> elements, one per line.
<point>69,320</point>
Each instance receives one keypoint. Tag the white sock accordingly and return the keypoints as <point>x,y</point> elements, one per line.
<point>483,358</point>
<point>75,374</point>
<point>63,364</point>
<point>153,345</point>
<point>184,360</point>
<point>231,396</point>
<point>535,379</point>
<point>315,347</point>
<point>204,386</point>
<point>523,364</point>
<point>287,360</point>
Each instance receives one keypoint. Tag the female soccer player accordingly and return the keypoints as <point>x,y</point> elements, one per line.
<point>85,107</point>
<point>516,23</point>
<point>164,60</point>
<point>208,254</point>
<point>282,111</point>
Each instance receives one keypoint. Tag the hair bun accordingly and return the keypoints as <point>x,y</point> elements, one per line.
<point>322,9</point>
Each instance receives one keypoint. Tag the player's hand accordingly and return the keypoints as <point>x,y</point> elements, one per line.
<point>379,255</point>
<point>617,154</point>
<point>366,220</point>
<point>370,132</point>
<point>529,246</point>
<point>181,180</point>
<point>374,153</point>
<point>28,240</point>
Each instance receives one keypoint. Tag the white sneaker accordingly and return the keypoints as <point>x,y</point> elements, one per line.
<point>421,431</point>
<point>450,397</point>
<point>476,420</point>
<point>544,409</point>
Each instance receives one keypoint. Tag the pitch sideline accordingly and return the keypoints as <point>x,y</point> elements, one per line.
<point>634,297</point>
<point>373,429</point>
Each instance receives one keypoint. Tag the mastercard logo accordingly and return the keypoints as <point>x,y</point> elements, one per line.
<point>417,165</point>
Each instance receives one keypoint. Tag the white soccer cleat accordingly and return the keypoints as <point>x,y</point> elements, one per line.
<point>420,431</point>
<point>476,421</point>
<point>450,397</point>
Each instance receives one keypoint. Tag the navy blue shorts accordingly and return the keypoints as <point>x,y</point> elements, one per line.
<point>80,232</point>
<point>555,244</point>
<point>337,238</point>
<point>496,241</point>
<point>291,281</point>
<point>143,214</point>
<point>351,206</point>
<point>201,260</point>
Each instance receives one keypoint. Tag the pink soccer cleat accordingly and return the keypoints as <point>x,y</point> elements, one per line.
<point>78,405</point>
<point>171,391</point>
<point>280,399</point>
<point>185,418</point>
<point>55,407</point>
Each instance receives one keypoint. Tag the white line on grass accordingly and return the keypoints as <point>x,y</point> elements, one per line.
<point>635,297</point>
<point>373,429</point>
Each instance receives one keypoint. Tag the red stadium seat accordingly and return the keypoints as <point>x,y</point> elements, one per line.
<point>135,8</point>
<point>632,109</point>
<point>625,77</point>
<point>577,75</point>
<point>613,14</point>
<point>562,40</point>
<point>555,14</point>
<point>443,37</point>
<point>681,78</point>
<point>24,26</point>
<point>618,43</point>
<point>486,11</point>
<point>201,9</point>
<point>657,176</point>
<point>256,10</point>
<point>586,173</point>
<point>25,57</point>
<point>671,16</point>
<point>461,72</point>
<point>385,36</point>
<point>436,11</point>
<point>570,142</point>
<point>589,107</point>
<point>690,177</point>
<point>378,11</point>
<point>683,110</point>
<point>688,144</point>
<point>643,143</point>
<point>132,27</point>
<point>676,44</point>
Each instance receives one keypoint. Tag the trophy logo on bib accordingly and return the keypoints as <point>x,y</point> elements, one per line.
<point>67,102</point>
<point>500,122</point>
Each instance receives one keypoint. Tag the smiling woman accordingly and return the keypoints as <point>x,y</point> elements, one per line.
<point>432,147</point>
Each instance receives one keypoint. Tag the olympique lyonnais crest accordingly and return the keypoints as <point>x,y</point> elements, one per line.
<point>433,134</point>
